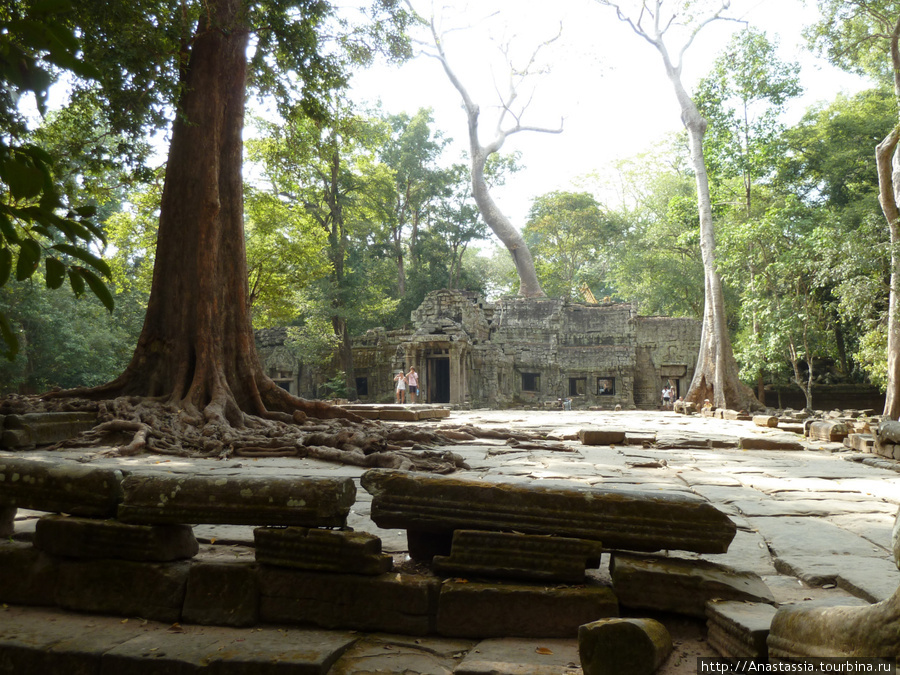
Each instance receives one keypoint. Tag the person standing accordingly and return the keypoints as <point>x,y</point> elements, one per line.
<point>400,379</point>
<point>412,383</point>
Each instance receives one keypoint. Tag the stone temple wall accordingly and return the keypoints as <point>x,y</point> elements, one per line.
<point>528,351</point>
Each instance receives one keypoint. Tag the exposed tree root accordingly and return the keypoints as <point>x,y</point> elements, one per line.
<point>133,425</point>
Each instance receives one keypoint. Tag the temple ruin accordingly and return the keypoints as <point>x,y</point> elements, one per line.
<point>516,352</point>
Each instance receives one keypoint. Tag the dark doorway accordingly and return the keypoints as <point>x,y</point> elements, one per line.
<point>439,380</point>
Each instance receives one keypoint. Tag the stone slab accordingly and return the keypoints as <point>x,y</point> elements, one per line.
<point>828,430</point>
<point>338,551</point>
<point>508,555</point>
<point>482,610</point>
<point>396,603</point>
<point>520,656</point>
<point>771,442</point>
<point>739,629</point>
<point>767,421</point>
<point>7,520</point>
<point>222,594</point>
<point>123,588</point>
<point>399,655</point>
<point>681,586</point>
<point>236,500</point>
<point>60,486</point>
<point>75,537</point>
<point>621,519</point>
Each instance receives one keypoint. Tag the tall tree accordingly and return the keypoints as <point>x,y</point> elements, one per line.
<point>480,153</point>
<point>196,351</point>
<point>865,37</point>
<point>716,374</point>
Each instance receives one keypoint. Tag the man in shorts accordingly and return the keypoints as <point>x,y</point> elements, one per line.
<point>412,384</point>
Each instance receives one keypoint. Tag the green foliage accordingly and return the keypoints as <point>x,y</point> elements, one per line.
<point>572,241</point>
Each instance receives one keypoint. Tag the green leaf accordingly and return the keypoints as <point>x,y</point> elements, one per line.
<point>76,281</point>
<point>8,230</point>
<point>12,342</point>
<point>56,272</point>
<point>87,211</point>
<point>86,256</point>
<point>5,265</point>
<point>99,288</point>
<point>29,256</point>
<point>24,181</point>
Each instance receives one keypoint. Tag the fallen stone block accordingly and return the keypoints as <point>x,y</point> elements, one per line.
<point>521,656</point>
<point>623,646</point>
<point>393,603</point>
<point>222,594</point>
<point>629,520</point>
<point>829,431</point>
<point>507,555</point>
<point>861,442</point>
<point>61,487</point>
<point>27,576</point>
<point>123,588</point>
<point>480,610</point>
<point>779,442</point>
<point>31,429</point>
<point>736,415</point>
<point>768,421</point>
<point>681,586</point>
<point>601,436</point>
<point>236,500</point>
<point>342,552</point>
<point>739,629</point>
<point>75,537</point>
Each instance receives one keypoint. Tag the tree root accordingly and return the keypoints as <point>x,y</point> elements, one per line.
<point>134,425</point>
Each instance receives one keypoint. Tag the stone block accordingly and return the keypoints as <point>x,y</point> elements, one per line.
<point>861,442</point>
<point>60,486</point>
<point>629,520</point>
<point>737,415</point>
<point>623,646</point>
<point>394,603</point>
<point>739,629</point>
<point>829,431</point>
<point>123,588</point>
<point>222,594</point>
<point>341,552</point>
<point>507,555</point>
<point>7,521</point>
<point>596,436</point>
<point>480,610</point>
<point>768,421</point>
<point>31,429</point>
<point>75,537</point>
<point>236,500</point>
<point>681,586</point>
<point>774,442</point>
<point>27,576</point>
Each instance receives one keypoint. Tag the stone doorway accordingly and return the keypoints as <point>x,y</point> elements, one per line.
<point>438,379</point>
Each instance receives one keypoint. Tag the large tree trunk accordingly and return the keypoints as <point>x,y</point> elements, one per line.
<point>529,286</point>
<point>197,347</point>
<point>716,374</point>
<point>889,186</point>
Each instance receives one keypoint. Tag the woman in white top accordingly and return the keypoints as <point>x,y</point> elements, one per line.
<point>400,379</point>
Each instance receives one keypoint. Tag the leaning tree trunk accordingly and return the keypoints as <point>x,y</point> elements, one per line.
<point>529,286</point>
<point>889,186</point>
<point>716,375</point>
<point>197,348</point>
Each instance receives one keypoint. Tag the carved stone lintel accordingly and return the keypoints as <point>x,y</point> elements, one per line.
<point>343,552</point>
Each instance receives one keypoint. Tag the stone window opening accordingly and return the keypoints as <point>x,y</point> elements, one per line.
<point>577,386</point>
<point>606,386</point>
<point>531,382</point>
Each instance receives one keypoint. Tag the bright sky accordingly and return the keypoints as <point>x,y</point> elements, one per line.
<point>608,83</point>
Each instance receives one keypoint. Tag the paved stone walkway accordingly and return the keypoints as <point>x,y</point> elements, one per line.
<point>815,524</point>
